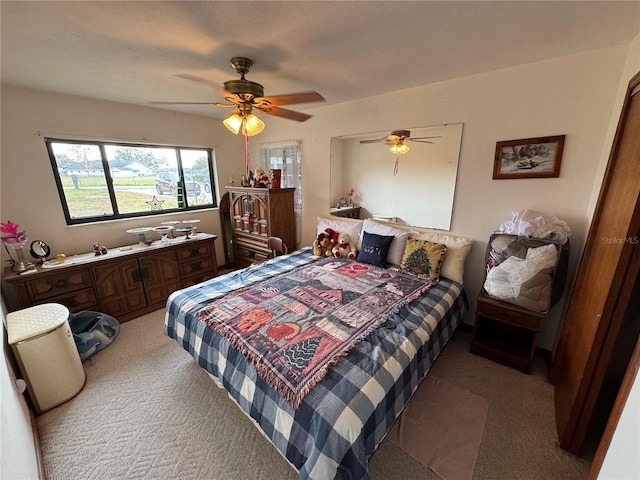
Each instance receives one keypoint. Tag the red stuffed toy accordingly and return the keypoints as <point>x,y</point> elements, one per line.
<point>333,236</point>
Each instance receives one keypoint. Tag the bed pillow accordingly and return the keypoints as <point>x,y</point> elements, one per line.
<point>351,226</point>
<point>457,250</point>
<point>396,250</point>
<point>423,258</point>
<point>375,249</point>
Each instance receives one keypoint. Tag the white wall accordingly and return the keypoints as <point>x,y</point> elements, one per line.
<point>29,195</point>
<point>18,454</point>
<point>573,95</point>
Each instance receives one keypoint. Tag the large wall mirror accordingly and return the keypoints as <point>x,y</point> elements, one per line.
<point>420,194</point>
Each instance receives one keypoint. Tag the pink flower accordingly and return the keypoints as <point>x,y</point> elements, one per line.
<point>9,227</point>
<point>13,235</point>
<point>351,192</point>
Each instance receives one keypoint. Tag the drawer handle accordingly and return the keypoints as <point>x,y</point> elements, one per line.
<point>61,283</point>
<point>135,276</point>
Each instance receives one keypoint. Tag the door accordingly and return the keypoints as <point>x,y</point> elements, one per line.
<point>590,324</point>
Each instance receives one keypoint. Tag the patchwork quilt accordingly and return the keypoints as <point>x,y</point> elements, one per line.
<point>293,327</point>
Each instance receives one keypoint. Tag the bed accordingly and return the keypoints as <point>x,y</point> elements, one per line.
<point>344,417</point>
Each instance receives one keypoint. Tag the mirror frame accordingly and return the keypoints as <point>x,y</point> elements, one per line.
<point>42,247</point>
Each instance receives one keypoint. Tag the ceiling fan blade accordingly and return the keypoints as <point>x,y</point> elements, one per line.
<point>284,113</point>
<point>292,98</point>
<point>224,104</point>
<point>180,103</point>
<point>422,139</point>
<point>203,81</point>
<point>378,140</point>
<point>212,85</point>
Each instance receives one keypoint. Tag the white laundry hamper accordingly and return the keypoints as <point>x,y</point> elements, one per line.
<point>43,345</point>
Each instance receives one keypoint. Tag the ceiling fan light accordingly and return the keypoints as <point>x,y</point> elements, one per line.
<point>252,125</point>
<point>233,123</point>
<point>399,149</point>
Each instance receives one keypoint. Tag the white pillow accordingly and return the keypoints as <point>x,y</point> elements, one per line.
<point>457,251</point>
<point>398,244</point>
<point>352,226</point>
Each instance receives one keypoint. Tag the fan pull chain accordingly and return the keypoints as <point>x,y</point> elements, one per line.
<point>395,167</point>
<point>246,155</point>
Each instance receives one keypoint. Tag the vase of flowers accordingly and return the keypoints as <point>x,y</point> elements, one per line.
<point>350,194</point>
<point>14,240</point>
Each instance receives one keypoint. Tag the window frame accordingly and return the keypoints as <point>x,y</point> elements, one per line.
<point>109,180</point>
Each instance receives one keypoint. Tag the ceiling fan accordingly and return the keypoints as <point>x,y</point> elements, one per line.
<point>396,140</point>
<point>397,146</point>
<point>246,95</point>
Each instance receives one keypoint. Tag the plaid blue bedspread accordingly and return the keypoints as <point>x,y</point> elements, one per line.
<point>345,416</point>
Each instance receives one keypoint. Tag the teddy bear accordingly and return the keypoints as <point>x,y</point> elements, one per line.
<point>323,245</point>
<point>344,247</point>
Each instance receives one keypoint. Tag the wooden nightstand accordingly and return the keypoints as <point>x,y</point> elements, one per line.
<point>505,333</point>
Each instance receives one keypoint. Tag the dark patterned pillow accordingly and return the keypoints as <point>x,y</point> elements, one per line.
<point>374,249</point>
<point>423,258</point>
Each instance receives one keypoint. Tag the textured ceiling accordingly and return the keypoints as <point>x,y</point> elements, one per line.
<point>135,52</point>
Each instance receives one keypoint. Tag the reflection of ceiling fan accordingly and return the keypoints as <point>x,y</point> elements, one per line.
<point>246,95</point>
<point>396,141</point>
<point>397,146</point>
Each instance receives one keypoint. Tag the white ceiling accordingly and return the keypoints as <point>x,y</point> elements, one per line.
<point>136,51</point>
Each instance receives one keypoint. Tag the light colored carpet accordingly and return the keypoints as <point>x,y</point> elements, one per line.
<point>148,411</point>
<point>442,428</point>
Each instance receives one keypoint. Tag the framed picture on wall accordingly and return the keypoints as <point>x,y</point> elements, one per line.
<point>528,158</point>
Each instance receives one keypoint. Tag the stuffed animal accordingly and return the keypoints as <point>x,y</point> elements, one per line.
<point>99,249</point>
<point>260,179</point>
<point>344,247</point>
<point>322,245</point>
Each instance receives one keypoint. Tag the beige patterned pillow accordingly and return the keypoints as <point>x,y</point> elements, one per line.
<point>423,258</point>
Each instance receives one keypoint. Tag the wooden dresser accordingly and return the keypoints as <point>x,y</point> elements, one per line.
<point>125,283</point>
<point>256,215</point>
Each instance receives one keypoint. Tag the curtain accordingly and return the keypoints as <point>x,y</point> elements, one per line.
<point>286,156</point>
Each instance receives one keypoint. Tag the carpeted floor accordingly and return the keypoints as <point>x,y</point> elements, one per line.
<point>148,411</point>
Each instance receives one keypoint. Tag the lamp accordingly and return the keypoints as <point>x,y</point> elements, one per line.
<point>399,149</point>
<point>248,124</point>
<point>252,125</point>
<point>233,123</point>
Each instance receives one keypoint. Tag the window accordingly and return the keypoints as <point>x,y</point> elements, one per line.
<point>286,156</point>
<point>105,180</point>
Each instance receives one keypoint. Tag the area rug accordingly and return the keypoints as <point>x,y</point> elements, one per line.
<point>442,427</point>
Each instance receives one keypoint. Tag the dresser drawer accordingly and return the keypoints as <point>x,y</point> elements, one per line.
<point>75,301</point>
<point>247,256</point>
<point>195,279</point>
<point>196,266</point>
<point>506,313</point>
<point>194,252</point>
<point>55,285</point>
<point>255,242</point>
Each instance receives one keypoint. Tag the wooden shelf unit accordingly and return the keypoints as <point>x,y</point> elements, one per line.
<point>257,214</point>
